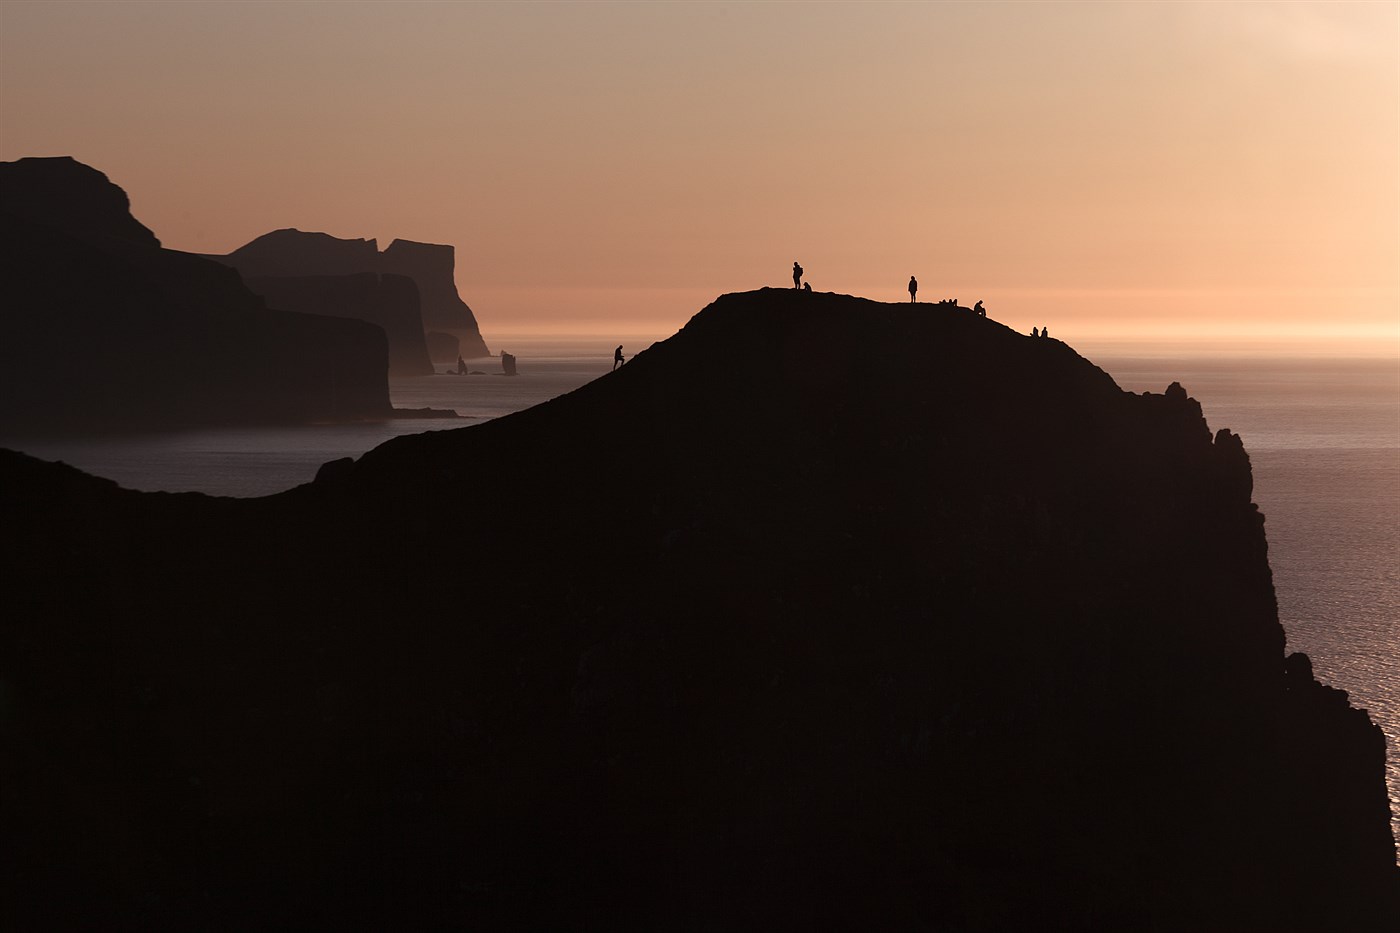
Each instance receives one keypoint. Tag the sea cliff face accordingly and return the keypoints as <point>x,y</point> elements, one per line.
<point>103,329</point>
<point>433,265</point>
<point>388,301</point>
<point>949,633</point>
<point>295,253</point>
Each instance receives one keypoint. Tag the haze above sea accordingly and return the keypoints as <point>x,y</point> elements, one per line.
<point>1323,435</point>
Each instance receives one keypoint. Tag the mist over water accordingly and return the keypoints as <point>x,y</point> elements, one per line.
<point>1323,436</point>
<point>262,460</point>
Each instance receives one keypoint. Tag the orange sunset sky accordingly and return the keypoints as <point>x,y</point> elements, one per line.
<point>1145,171</point>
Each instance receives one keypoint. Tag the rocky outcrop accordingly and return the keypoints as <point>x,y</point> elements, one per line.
<point>104,329</point>
<point>950,633</point>
<point>431,266</point>
<point>390,302</point>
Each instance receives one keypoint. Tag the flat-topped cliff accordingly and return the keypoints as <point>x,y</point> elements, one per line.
<point>297,253</point>
<point>758,631</point>
<point>103,329</point>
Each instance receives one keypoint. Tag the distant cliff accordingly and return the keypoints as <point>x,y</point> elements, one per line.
<point>388,301</point>
<point>431,266</point>
<point>949,633</point>
<point>102,328</point>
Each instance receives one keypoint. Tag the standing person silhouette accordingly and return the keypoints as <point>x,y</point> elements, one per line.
<point>796,276</point>
<point>913,288</point>
<point>617,357</point>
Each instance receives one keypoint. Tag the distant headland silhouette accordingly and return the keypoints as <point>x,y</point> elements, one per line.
<point>106,330</point>
<point>301,260</point>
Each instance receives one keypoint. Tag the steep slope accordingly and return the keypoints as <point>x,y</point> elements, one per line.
<point>946,633</point>
<point>104,329</point>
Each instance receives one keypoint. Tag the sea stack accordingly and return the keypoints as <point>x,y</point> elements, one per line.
<point>950,633</point>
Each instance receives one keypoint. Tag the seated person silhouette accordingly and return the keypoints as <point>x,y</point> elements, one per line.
<point>617,357</point>
<point>1035,332</point>
<point>979,309</point>
<point>806,286</point>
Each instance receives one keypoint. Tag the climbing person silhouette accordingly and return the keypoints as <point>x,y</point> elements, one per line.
<point>913,288</point>
<point>796,276</point>
<point>617,357</point>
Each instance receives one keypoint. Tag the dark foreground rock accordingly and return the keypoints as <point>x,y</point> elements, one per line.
<point>102,329</point>
<point>755,632</point>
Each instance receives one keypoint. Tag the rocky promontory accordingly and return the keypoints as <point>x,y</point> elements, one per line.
<point>104,329</point>
<point>756,632</point>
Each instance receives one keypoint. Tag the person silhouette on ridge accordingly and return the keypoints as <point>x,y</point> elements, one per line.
<point>617,357</point>
<point>981,311</point>
<point>913,288</point>
<point>796,276</point>
<point>1035,332</point>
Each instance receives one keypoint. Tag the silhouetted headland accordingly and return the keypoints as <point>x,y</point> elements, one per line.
<point>104,330</point>
<point>764,633</point>
<point>297,254</point>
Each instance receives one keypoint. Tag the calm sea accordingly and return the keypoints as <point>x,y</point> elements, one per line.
<point>1323,435</point>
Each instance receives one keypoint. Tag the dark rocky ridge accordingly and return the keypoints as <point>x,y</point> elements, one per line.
<point>949,633</point>
<point>104,329</point>
<point>297,253</point>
